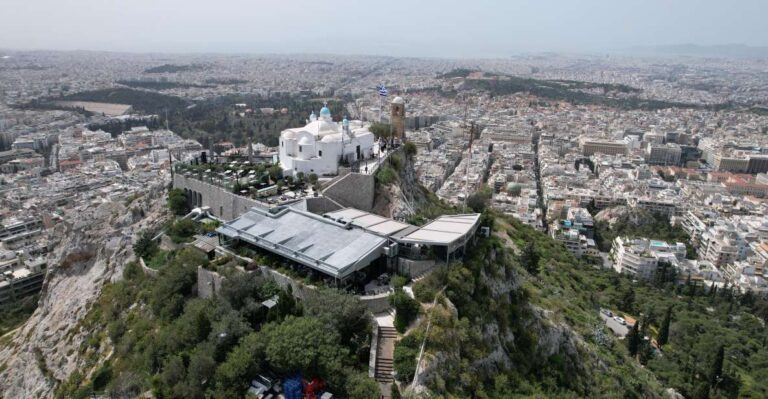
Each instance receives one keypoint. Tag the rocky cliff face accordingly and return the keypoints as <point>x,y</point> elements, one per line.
<point>553,339</point>
<point>495,321</point>
<point>95,243</point>
<point>404,198</point>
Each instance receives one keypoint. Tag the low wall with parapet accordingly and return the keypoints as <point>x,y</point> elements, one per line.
<point>209,284</point>
<point>223,203</point>
<point>299,290</point>
<point>376,303</point>
<point>147,271</point>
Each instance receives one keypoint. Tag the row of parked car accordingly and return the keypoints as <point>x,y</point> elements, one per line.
<point>618,319</point>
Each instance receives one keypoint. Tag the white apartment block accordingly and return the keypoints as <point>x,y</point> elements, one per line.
<point>640,257</point>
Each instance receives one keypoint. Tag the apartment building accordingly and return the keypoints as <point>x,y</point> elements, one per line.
<point>639,257</point>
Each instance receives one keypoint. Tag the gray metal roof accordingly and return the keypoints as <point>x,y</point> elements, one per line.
<point>445,230</point>
<point>309,239</point>
<point>368,221</point>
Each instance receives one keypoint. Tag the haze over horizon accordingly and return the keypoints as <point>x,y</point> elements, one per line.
<point>428,29</point>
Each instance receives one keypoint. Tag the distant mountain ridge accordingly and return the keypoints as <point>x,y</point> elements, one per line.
<point>688,49</point>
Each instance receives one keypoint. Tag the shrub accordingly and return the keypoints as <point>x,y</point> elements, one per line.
<point>405,355</point>
<point>177,202</point>
<point>386,175</point>
<point>406,309</point>
<point>423,291</point>
<point>145,247</point>
<point>410,149</point>
<point>181,230</point>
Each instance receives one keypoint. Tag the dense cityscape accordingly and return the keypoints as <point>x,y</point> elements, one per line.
<point>351,226</point>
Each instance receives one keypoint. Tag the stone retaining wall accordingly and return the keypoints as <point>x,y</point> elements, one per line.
<point>223,203</point>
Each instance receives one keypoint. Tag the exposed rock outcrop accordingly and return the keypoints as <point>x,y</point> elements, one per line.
<point>405,198</point>
<point>96,242</point>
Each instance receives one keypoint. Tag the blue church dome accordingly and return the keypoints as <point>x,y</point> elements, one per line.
<point>325,111</point>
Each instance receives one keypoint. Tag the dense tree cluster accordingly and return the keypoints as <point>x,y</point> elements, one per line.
<point>167,340</point>
<point>638,223</point>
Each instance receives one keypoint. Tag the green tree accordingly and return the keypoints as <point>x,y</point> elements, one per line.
<point>410,149</point>
<point>716,370</point>
<point>343,312</point>
<point>380,130</point>
<point>360,386</point>
<point>313,178</point>
<point>663,337</point>
<point>633,339</point>
<point>406,309</point>
<point>145,247</point>
<point>173,373</point>
<point>404,362</point>
<point>177,202</point>
<point>530,258</point>
<point>479,200</point>
<point>182,230</point>
<point>275,172</point>
<point>201,368</point>
<point>628,300</point>
<point>234,375</point>
<point>175,283</point>
<point>306,345</point>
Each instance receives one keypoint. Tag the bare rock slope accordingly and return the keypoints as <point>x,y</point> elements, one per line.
<point>96,241</point>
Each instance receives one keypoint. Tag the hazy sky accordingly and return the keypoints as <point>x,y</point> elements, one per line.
<point>406,28</point>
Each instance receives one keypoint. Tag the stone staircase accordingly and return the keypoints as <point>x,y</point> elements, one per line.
<point>385,354</point>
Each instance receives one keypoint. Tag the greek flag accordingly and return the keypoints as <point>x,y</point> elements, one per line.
<point>382,90</point>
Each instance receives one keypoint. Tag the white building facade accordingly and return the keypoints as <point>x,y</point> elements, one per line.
<point>321,145</point>
<point>640,257</point>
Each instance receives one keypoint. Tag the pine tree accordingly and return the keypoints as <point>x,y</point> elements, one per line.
<point>647,317</point>
<point>633,339</point>
<point>628,300</point>
<point>716,371</point>
<point>663,337</point>
<point>530,258</point>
